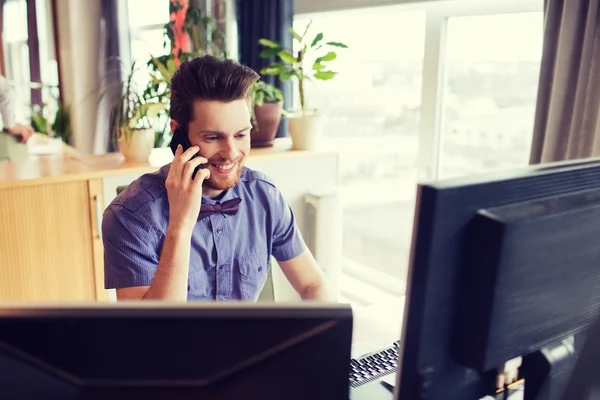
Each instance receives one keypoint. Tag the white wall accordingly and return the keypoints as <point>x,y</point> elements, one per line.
<point>79,38</point>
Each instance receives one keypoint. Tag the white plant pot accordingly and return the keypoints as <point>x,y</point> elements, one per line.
<point>137,145</point>
<point>306,130</point>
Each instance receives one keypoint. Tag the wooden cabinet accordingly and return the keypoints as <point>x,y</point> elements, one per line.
<point>46,246</point>
<point>96,203</point>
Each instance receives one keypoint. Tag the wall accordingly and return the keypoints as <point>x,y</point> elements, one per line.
<point>79,39</point>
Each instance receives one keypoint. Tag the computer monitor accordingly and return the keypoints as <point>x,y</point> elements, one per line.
<point>165,351</point>
<point>584,382</point>
<point>503,265</point>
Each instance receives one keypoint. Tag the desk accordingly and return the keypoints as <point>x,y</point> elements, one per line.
<point>51,213</point>
<point>370,334</point>
<point>377,326</point>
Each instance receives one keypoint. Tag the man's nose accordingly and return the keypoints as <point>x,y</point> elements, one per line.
<point>230,150</point>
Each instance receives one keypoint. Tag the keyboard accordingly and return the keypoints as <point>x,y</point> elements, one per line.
<point>373,366</point>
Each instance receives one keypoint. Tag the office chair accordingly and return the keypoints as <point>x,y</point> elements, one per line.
<point>120,189</point>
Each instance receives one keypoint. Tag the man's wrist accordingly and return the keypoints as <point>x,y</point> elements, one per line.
<point>179,231</point>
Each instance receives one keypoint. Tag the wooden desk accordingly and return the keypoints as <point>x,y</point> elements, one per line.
<point>51,211</point>
<point>68,167</point>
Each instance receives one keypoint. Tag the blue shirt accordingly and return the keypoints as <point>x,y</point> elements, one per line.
<point>230,254</point>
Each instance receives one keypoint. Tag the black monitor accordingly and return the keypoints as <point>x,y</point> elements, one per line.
<point>503,266</point>
<point>165,351</point>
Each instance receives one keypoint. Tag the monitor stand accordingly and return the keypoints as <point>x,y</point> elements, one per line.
<point>547,371</point>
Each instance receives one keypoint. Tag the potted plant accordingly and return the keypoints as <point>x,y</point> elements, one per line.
<point>308,64</point>
<point>133,117</point>
<point>59,128</point>
<point>196,35</point>
<point>267,107</point>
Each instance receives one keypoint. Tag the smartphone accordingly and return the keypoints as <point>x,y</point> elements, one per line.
<point>180,137</point>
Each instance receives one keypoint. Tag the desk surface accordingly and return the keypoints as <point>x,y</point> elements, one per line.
<point>377,326</point>
<point>42,169</point>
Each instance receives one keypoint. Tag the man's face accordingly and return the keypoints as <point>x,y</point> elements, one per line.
<point>222,131</point>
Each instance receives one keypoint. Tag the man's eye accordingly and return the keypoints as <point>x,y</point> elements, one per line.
<point>241,135</point>
<point>212,138</point>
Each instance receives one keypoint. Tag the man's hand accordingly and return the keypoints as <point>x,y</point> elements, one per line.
<point>185,193</point>
<point>25,131</point>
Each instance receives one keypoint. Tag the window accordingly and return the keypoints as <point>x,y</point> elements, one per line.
<point>146,21</point>
<point>373,110</point>
<point>16,56</point>
<point>143,13</point>
<point>425,91</point>
<point>489,92</point>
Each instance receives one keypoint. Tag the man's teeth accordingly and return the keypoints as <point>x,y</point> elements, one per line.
<point>224,167</point>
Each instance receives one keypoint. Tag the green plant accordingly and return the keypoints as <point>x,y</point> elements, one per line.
<point>59,128</point>
<point>263,92</point>
<point>162,135</point>
<point>159,85</point>
<point>130,108</point>
<point>293,65</point>
<point>205,35</point>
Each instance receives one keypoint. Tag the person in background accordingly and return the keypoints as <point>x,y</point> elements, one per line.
<point>7,109</point>
<point>174,236</point>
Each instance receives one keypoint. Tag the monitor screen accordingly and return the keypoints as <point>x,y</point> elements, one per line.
<point>159,350</point>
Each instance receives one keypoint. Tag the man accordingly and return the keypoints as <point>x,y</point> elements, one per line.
<point>171,237</point>
<point>7,109</point>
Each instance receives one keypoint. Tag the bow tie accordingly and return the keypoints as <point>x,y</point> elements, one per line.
<point>229,207</point>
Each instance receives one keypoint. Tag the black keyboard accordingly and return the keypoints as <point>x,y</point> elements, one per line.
<point>373,366</point>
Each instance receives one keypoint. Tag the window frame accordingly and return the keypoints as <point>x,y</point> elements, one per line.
<point>434,68</point>
<point>437,14</point>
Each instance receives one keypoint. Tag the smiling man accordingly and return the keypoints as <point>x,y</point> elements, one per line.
<point>170,237</point>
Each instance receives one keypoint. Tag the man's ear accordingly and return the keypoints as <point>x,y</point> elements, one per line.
<point>173,125</point>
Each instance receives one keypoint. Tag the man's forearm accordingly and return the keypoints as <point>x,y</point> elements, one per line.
<point>171,278</point>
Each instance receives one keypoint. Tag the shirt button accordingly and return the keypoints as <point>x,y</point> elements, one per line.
<point>222,266</point>
<point>259,269</point>
<point>219,230</point>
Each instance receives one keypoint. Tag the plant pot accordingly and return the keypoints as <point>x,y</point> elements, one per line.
<point>268,118</point>
<point>306,130</point>
<point>137,144</point>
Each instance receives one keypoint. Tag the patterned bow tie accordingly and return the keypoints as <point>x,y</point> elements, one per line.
<point>229,207</point>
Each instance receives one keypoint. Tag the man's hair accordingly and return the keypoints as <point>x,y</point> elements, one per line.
<point>208,78</point>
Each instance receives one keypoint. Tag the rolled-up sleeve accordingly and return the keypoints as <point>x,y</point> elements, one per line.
<point>287,240</point>
<point>130,249</point>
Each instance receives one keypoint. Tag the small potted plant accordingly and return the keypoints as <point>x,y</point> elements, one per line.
<point>267,107</point>
<point>305,124</point>
<point>59,128</point>
<point>133,116</point>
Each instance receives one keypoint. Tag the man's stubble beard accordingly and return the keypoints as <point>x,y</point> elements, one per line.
<point>223,184</point>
